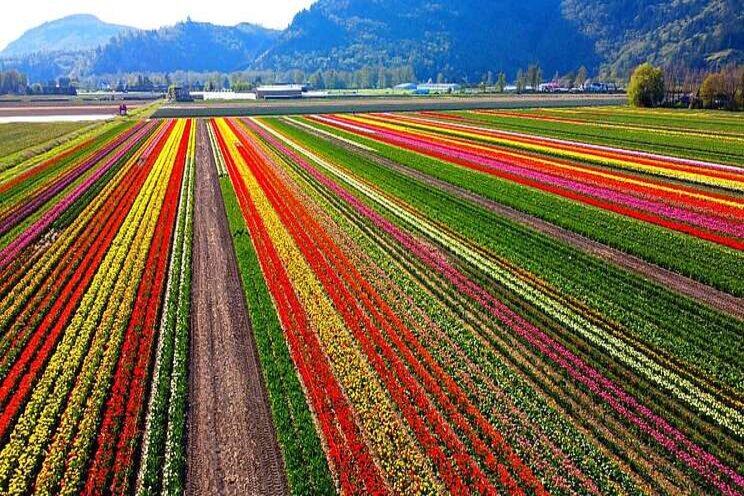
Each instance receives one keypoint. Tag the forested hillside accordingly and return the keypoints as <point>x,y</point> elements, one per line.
<point>626,33</point>
<point>453,40</point>
<point>463,39</point>
<point>196,46</point>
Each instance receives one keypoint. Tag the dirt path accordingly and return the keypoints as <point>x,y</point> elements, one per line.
<point>698,291</point>
<point>379,104</point>
<point>232,448</point>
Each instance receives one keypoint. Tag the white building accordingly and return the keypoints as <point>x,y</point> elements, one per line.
<point>439,87</point>
<point>280,91</point>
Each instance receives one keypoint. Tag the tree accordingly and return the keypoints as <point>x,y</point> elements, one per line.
<point>581,77</point>
<point>316,80</point>
<point>521,81</point>
<point>646,88</point>
<point>409,75</point>
<point>241,87</point>
<point>489,78</point>
<point>531,76</point>
<point>534,76</point>
<point>364,78</point>
<point>12,81</point>
<point>382,79</point>
<point>501,83</point>
<point>711,91</point>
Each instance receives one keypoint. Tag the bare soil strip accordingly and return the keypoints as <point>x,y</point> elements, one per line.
<point>698,291</point>
<point>232,447</point>
<point>380,104</point>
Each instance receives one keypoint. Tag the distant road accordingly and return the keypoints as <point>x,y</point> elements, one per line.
<point>379,104</point>
<point>62,109</point>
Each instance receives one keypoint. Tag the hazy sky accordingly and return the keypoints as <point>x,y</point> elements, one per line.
<point>19,16</point>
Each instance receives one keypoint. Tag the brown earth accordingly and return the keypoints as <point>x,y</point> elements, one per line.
<point>232,447</point>
<point>61,111</point>
<point>379,104</point>
<point>698,291</point>
<point>62,108</point>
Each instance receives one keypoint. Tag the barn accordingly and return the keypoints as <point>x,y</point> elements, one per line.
<point>280,91</point>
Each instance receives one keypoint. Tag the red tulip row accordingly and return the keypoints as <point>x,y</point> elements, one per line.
<point>716,224</point>
<point>357,299</point>
<point>347,450</point>
<point>123,411</point>
<point>90,248</point>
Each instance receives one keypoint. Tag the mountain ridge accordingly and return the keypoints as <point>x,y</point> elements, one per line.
<point>459,42</point>
<point>75,32</point>
<point>189,45</point>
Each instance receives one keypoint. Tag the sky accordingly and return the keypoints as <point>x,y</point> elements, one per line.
<point>149,14</point>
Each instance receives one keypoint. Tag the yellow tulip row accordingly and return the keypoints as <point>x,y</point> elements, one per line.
<point>421,129</point>
<point>88,348</point>
<point>403,464</point>
<point>31,280</point>
<point>533,290</point>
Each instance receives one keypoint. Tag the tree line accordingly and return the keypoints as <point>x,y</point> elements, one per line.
<point>367,77</point>
<point>13,82</point>
<point>240,81</point>
<point>679,86</point>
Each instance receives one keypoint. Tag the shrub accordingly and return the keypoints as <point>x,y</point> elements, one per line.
<point>646,87</point>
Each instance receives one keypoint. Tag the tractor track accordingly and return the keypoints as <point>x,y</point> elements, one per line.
<point>232,446</point>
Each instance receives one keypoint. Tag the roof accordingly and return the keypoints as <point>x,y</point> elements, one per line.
<point>439,86</point>
<point>281,87</point>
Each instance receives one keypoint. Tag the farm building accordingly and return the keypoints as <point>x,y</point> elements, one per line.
<point>280,91</point>
<point>179,94</point>
<point>439,87</point>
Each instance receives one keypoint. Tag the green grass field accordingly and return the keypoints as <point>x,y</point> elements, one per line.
<point>19,136</point>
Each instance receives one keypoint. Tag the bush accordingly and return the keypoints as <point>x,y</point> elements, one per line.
<point>646,87</point>
<point>712,91</point>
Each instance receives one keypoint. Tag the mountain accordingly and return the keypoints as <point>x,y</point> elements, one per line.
<point>626,33</point>
<point>465,38</point>
<point>48,66</point>
<point>71,33</point>
<point>459,40</point>
<point>469,37</point>
<point>195,46</point>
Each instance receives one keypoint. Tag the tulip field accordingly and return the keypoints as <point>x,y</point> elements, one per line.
<point>443,347</point>
<point>95,239</point>
<point>533,302</point>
